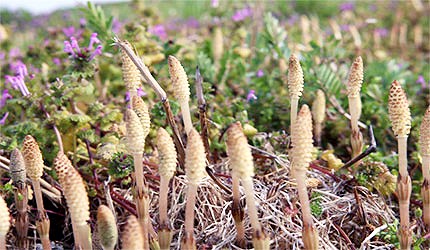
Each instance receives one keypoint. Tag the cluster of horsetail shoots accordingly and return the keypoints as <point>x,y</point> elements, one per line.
<point>400,116</point>
<point>425,154</point>
<point>181,90</point>
<point>132,237</point>
<point>242,168</point>
<point>318,114</point>
<point>34,166</point>
<point>18,174</point>
<point>295,85</point>
<point>166,169</point>
<point>301,140</point>
<point>4,223</point>
<point>195,163</point>
<point>106,227</point>
<point>77,200</point>
<point>355,80</point>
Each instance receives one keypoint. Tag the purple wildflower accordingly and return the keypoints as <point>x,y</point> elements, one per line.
<point>422,81</point>
<point>5,95</point>
<point>68,49</point>
<point>97,51</point>
<point>56,61</point>
<point>75,44</point>
<point>241,14</point>
<point>348,6</point>
<point>344,27</point>
<point>192,23</point>
<point>19,68</point>
<point>140,93</point>
<point>251,96</point>
<point>158,30</point>
<point>3,119</point>
<point>82,22</point>
<point>260,73</point>
<point>93,40</point>
<point>14,53</point>
<point>2,55</point>
<point>17,82</point>
<point>69,31</point>
<point>116,26</point>
<point>382,32</point>
<point>293,19</point>
<point>214,3</point>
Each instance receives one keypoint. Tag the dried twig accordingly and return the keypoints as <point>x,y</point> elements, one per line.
<point>202,113</point>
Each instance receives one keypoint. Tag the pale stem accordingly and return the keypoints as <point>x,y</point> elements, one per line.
<point>303,197</point>
<point>140,200</point>
<point>294,107</point>
<point>2,241</point>
<point>426,204</point>
<point>236,200</point>
<point>189,209</point>
<point>355,111</point>
<point>250,201</point>
<point>164,189</point>
<point>185,108</point>
<point>38,195</point>
<point>84,232</point>
<point>426,167</point>
<point>138,170</point>
<point>402,150</point>
<point>46,243</point>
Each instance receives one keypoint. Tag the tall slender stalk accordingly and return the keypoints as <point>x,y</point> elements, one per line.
<point>4,223</point>
<point>295,85</point>
<point>400,116</point>
<point>424,142</point>
<point>167,167</point>
<point>318,114</point>
<point>77,200</point>
<point>135,145</point>
<point>18,173</point>
<point>34,165</point>
<point>242,167</point>
<point>355,80</point>
<point>202,113</point>
<point>181,90</point>
<point>301,157</point>
<point>195,163</point>
<point>238,213</point>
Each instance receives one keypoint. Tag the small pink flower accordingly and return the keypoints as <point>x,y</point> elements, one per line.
<point>260,73</point>
<point>3,119</point>
<point>251,96</point>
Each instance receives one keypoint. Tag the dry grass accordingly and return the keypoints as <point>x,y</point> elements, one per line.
<point>279,214</point>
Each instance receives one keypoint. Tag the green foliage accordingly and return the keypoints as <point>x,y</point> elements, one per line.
<point>98,21</point>
<point>316,207</point>
<point>121,165</point>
